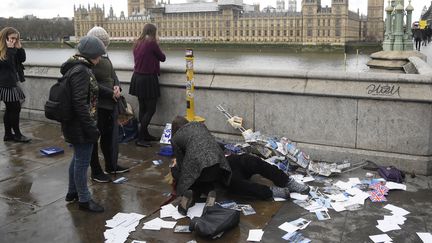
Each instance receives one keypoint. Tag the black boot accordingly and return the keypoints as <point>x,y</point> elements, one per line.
<point>91,206</point>
<point>71,197</point>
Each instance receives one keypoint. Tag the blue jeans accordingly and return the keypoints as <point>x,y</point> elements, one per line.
<point>78,171</point>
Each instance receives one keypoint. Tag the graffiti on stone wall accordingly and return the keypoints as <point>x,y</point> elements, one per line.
<point>37,71</point>
<point>383,90</point>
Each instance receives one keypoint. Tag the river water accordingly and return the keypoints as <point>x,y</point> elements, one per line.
<point>232,59</point>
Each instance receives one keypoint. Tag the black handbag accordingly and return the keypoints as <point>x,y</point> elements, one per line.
<point>214,221</point>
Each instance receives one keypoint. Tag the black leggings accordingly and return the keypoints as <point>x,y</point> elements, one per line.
<point>418,44</point>
<point>105,125</point>
<point>11,118</point>
<point>147,108</point>
<point>244,166</point>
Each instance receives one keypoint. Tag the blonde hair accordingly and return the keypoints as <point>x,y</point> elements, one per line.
<point>4,33</point>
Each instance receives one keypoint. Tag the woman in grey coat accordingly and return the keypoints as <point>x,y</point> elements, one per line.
<point>199,159</point>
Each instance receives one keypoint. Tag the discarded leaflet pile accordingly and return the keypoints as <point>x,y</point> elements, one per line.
<point>278,151</point>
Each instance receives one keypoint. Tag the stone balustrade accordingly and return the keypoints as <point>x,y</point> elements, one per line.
<point>333,116</point>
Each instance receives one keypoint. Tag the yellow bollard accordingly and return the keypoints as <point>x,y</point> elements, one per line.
<point>190,88</point>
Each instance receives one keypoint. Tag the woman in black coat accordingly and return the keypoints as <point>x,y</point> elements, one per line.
<point>12,55</point>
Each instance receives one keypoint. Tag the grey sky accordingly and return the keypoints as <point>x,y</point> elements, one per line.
<point>52,8</point>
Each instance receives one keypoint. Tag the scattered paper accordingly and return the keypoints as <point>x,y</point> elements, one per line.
<point>354,181</point>
<point>395,186</point>
<point>386,226</point>
<point>295,195</point>
<point>288,227</point>
<point>255,235</point>
<point>247,209</point>
<point>170,211</point>
<point>308,179</point>
<point>338,207</point>
<point>196,210</point>
<point>301,223</point>
<point>425,237</point>
<point>296,237</point>
<point>343,185</point>
<point>182,229</point>
<point>279,199</point>
<point>380,238</point>
<point>157,224</point>
<point>353,191</point>
<point>396,210</point>
<point>322,215</point>
<point>400,220</point>
<point>122,224</point>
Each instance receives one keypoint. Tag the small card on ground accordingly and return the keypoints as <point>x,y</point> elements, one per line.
<point>53,150</point>
<point>182,229</point>
<point>322,215</point>
<point>247,209</point>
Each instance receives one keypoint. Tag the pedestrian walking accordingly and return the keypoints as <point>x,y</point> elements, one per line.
<point>418,36</point>
<point>145,80</point>
<point>109,92</point>
<point>81,131</point>
<point>12,55</point>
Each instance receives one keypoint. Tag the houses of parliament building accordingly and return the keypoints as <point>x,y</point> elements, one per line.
<point>236,22</point>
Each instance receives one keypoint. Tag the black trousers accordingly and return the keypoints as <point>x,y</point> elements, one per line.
<point>11,118</point>
<point>418,44</point>
<point>147,108</point>
<point>244,166</point>
<point>105,125</point>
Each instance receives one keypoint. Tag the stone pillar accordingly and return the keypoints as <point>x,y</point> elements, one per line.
<point>398,44</point>
<point>387,43</point>
<point>408,45</point>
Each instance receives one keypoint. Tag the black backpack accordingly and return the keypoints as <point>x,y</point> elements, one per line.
<point>58,107</point>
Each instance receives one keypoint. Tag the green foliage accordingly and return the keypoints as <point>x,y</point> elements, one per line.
<point>34,29</point>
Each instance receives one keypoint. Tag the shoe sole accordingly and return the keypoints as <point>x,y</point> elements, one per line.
<point>186,202</point>
<point>143,145</point>
<point>100,181</point>
<point>115,172</point>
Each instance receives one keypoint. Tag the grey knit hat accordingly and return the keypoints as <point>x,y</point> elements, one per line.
<point>100,33</point>
<point>91,47</point>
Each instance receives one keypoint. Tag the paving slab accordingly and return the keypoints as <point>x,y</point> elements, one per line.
<point>32,206</point>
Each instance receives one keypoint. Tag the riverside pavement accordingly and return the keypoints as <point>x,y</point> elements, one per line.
<point>33,186</point>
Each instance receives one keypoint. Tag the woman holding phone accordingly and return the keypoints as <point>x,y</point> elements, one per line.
<point>12,55</point>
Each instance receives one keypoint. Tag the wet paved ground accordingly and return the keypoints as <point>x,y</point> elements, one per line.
<point>32,206</point>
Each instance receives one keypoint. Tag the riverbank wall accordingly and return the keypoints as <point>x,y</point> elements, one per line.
<point>333,116</point>
<point>361,47</point>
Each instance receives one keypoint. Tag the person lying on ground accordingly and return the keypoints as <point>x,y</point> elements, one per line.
<point>201,163</point>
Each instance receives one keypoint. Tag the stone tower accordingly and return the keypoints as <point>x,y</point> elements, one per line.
<point>87,18</point>
<point>340,16</point>
<point>310,9</point>
<point>292,6</point>
<point>136,7</point>
<point>375,22</point>
<point>280,5</point>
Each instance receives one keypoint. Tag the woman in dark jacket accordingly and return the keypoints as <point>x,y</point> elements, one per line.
<point>12,55</point>
<point>82,131</point>
<point>145,81</point>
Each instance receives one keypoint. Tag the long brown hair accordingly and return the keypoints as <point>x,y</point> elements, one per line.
<point>148,33</point>
<point>4,33</point>
<point>177,123</point>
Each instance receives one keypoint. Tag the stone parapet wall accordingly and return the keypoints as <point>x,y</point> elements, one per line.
<point>333,116</point>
